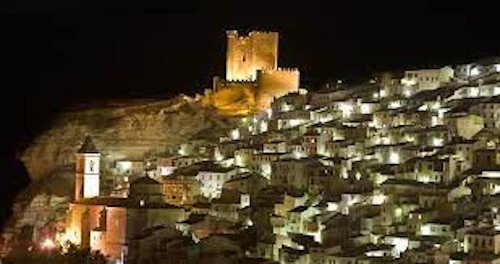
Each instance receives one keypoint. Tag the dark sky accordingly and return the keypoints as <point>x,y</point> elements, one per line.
<point>67,51</point>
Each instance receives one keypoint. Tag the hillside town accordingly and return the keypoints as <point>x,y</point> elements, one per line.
<point>402,168</point>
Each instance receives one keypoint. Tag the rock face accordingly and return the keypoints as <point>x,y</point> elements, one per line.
<point>133,129</point>
<point>126,130</point>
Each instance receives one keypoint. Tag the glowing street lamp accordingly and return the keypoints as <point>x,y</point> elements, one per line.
<point>474,72</point>
<point>346,109</point>
<point>235,134</point>
<point>48,244</point>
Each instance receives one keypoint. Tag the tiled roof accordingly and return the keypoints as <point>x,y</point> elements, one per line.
<point>88,146</point>
<point>145,181</point>
<point>123,202</point>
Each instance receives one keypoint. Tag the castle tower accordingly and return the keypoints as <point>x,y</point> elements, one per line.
<point>87,171</point>
<point>248,54</point>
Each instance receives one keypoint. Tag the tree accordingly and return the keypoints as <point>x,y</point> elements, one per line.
<point>72,255</point>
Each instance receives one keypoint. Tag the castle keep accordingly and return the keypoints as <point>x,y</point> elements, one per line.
<point>248,54</point>
<point>253,77</point>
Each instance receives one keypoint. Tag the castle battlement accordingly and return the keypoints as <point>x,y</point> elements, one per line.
<point>235,34</point>
<point>252,73</point>
<point>237,81</point>
<point>231,33</point>
<point>290,70</point>
<point>255,32</point>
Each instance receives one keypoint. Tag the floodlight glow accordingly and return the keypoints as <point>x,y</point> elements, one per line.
<point>474,72</point>
<point>346,109</point>
<point>365,109</point>
<point>437,142</point>
<point>378,199</point>
<point>408,82</point>
<point>394,157</point>
<point>48,244</point>
<point>407,92</point>
<point>235,134</point>
<point>263,126</point>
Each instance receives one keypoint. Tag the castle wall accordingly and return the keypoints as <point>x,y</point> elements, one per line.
<point>247,54</point>
<point>233,97</point>
<point>275,83</point>
<point>253,79</point>
<point>264,51</point>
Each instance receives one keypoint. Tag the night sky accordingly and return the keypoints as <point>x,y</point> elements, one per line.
<point>59,53</point>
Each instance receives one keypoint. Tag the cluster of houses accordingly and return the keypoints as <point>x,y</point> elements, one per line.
<point>401,169</point>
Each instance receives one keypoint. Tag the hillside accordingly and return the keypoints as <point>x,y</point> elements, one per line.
<point>124,130</point>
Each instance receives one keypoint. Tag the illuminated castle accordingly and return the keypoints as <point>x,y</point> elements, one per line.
<point>248,54</point>
<point>253,77</point>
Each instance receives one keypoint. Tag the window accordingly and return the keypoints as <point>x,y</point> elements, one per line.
<point>91,167</point>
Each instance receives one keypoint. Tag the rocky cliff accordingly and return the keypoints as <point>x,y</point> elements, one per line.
<point>130,129</point>
<point>120,130</point>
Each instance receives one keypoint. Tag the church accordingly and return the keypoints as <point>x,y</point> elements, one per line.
<point>105,223</point>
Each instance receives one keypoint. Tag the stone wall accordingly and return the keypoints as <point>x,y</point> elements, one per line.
<point>275,83</point>
<point>81,219</point>
<point>116,224</point>
<point>247,54</point>
<point>232,97</point>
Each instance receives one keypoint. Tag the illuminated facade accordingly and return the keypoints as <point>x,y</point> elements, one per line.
<point>213,179</point>
<point>253,78</point>
<point>482,240</point>
<point>87,171</point>
<point>370,173</point>
<point>248,54</point>
<point>428,79</point>
<point>105,223</point>
<point>181,190</point>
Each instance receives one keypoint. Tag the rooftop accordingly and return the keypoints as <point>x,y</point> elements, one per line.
<point>483,231</point>
<point>145,180</point>
<point>123,202</point>
<point>193,219</point>
<point>88,146</point>
<point>298,209</point>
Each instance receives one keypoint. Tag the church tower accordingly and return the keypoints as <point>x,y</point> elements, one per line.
<point>87,171</point>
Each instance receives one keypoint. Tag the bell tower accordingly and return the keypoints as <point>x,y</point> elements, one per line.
<point>87,176</point>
